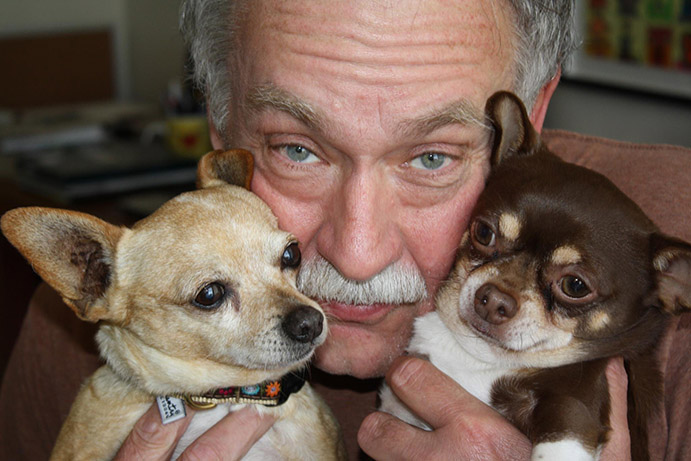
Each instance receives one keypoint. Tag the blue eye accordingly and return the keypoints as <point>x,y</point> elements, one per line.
<point>430,161</point>
<point>299,154</point>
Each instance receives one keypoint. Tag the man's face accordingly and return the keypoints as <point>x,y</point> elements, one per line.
<point>359,116</point>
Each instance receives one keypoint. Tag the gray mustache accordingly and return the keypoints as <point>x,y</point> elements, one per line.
<point>396,284</point>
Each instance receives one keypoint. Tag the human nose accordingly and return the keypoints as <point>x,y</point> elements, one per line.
<point>360,237</point>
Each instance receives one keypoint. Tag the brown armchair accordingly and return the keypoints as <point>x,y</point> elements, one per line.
<point>55,351</point>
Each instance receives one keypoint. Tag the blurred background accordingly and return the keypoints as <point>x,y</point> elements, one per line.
<point>93,100</point>
<point>95,114</point>
<point>631,78</point>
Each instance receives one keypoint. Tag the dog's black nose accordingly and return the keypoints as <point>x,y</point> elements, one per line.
<point>303,324</point>
<point>493,305</point>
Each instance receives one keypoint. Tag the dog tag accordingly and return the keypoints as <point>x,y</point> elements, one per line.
<point>171,408</point>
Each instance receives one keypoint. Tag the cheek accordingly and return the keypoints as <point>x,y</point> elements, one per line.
<point>431,233</point>
<point>296,215</point>
<point>434,234</point>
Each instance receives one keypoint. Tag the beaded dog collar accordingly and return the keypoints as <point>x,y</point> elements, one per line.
<point>269,393</point>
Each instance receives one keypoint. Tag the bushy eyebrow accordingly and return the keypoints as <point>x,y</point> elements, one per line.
<point>461,112</point>
<point>269,96</point>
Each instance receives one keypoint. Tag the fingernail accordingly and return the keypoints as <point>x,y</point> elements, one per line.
<point>150,427</point>
<point>370,428</point>
<point>407,372</point>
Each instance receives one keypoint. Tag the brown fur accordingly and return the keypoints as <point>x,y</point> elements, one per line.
<point>543,407</point>
<point>558,272</point>
<point>564,204</point>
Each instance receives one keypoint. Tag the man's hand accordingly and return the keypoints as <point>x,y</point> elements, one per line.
<point>230,438</point>
<point>619,444</point>
<point>464,427</point>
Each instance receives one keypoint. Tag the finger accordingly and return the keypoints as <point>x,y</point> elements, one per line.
<point>427,391</point>
<point>619,445</point>
<point>464,427</point>
<point>383,436</point>
<point>232,437</point>
<point>151,439</point>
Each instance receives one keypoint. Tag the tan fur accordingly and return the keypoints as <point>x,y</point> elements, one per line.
<point>599,320</point>
<point>510,226</point>
<point>141,283</point>
<point>565,255</point>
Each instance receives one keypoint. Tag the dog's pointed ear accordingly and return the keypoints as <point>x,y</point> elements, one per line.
<point>233,167</point>
<point>672,266</point>
<point>73,252</point>
<point>513,132</point>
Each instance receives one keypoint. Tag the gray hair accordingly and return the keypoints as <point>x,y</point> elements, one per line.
<point>396,284</point>
<point>209,30</point>
<point>545,30</point>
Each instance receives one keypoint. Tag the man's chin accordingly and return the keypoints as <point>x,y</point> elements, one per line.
<point>357,351</point>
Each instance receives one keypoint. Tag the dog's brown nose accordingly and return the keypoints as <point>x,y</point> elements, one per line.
<point>493,305</point>
<point>303,324</point>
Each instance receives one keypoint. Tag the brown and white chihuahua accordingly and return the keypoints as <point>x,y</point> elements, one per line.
<point>558,271</point>
<point>197,303</point>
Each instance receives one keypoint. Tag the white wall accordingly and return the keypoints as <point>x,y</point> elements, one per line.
<point>622,115</point>
<point>30,15</point>
<point>155,46</point>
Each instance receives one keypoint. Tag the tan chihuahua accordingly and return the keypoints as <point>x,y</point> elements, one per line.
<point>197,303</point>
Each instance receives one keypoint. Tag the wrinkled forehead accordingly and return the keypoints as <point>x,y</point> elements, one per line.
<point>384,44</point>
<point>383,20</point>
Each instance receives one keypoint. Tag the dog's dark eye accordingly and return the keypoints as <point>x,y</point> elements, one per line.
<point>291,256</point>
<point>210,296</point>
<point>574,287</point>
<point>483,233</point>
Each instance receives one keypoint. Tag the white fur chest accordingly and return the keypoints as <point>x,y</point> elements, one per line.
<point>203,420</point>
<point>433,339</point>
